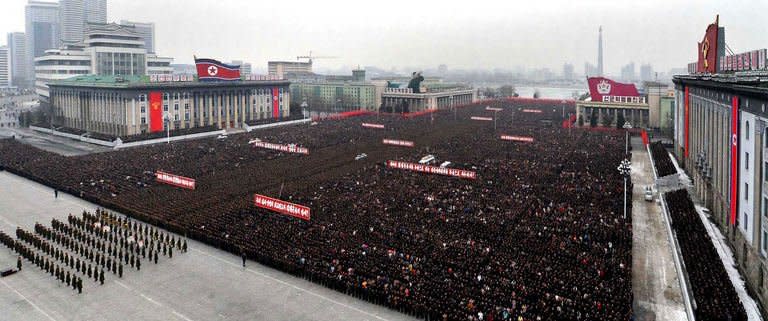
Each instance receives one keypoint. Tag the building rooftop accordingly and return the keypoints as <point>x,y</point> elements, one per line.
<point>102,81</point>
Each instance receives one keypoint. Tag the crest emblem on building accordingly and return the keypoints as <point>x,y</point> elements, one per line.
<point>604,87</point>
<point>212,70</point>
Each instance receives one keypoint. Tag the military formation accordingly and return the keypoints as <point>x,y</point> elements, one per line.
<point>90,246</point>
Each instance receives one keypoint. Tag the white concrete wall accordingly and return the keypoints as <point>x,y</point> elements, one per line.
<point>747,175</point>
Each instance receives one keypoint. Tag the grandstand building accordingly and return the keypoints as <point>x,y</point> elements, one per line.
<point>437,96</point>
<point>721,139</point>
<point>120,105</point>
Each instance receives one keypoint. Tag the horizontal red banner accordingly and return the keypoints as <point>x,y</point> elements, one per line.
<point>481,118</point>
<point>369,125</point>
<point>280,147</point>
<point>282,207</point>
<point>493,109</point>
<point>432,169</point>
<point>526,139</point>
<point>537,111</point>
<point>175,180</point>
<point>398,142</point>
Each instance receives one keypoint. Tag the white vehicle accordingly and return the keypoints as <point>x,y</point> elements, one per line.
<point>427,159</point>
<point>222,136</point>
<point>648,194</point>
<point>445,164</point>
<point>361,156</point>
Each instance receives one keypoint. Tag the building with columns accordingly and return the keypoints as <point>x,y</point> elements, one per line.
<point>403,100</point>
<point>119,105</point>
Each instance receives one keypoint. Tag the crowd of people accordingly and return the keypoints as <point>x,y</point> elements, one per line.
<point>539,235</point>
<point>84,247</point>
<point>713,292</point>
<point>661,159</point>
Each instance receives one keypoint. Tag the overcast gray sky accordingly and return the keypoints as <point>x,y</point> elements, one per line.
<point>467,34</point>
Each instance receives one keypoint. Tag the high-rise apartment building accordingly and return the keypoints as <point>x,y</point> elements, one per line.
<point>17,47</point>
<point>75,14</point>
<point>5,67</point>
<point>42,31</point>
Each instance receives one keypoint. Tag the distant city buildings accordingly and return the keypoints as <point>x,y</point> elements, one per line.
<point>245,67</point>
<point>5,67</point>
<point>646,72</point>
<point>568,71</point>
<point>284,68</point>
<point>17,47</point>
<point>75,14</point>
<point>42,29</point>
<point>590,70</point>
<point>147,32</point>
<point>628,72</point>
<point>107,49</point>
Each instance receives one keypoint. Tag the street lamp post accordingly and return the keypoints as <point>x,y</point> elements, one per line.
<point>305,106</point>
<point>167,119</point>
<point>624,170</point>
<point>627,126</point>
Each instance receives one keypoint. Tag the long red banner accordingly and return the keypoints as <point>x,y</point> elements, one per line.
<point>526,139</point>
<point>155,111</point>
<point>481,118</point>
<point>282,207</point>
<point>370,125</point>
<point>280,147</point>
<point>734,159</point>
<point>537,111</point>
<point>397,142</point>
<point>432,169</point>
<point>175,180</point>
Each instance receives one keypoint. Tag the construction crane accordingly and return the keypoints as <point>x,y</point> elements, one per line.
<point>310,57</point>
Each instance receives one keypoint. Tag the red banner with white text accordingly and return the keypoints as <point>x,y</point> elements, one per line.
<point>282,207</point>
<point>370,125</point>
<point>279,147</point>
<point>175,180</point>
<point>525,139</point>
<point>432,169</point>
<point>396,142</point>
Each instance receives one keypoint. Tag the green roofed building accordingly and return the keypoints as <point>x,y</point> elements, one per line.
<point>121,106</point>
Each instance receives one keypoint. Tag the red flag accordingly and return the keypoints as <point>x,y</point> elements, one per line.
<point>155,111</point>
<point>599,87</point>
<point>275,103</point>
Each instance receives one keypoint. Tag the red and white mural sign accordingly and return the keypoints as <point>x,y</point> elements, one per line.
<point>282,207</point>
<point>396,142</point>
<point>283,148</point>
<point>535,111</point>
<point>432,169</point>
<point>481,118</point>
<point>371,125</point>
<point>526,139</point>
<point>175,180</point>
<point>493,108</point>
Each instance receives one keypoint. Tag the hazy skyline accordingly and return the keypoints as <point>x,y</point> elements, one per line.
<point>467,35</point>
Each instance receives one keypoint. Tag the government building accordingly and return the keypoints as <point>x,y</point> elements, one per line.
<point>119,106</point>
<point>721,140</point>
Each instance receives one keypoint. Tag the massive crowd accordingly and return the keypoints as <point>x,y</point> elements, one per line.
<point>713,292</point>
<point>539,234</point>
<point>661,159</point>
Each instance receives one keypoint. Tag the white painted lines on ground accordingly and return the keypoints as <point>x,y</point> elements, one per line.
<point>293,286</point>
<point>28,301</point>
<point>180,315</point>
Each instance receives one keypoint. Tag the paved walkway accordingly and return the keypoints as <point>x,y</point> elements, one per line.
<point>202,284</point>
<point>654,280</point>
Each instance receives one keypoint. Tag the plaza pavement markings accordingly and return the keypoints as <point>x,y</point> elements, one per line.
<point>293,286</point>
<point>28,301</point>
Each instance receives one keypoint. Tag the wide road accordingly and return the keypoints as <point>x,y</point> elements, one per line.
<point>203,284</point>
<point>655,285</point>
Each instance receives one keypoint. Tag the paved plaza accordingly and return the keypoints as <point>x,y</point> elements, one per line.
<point>655,284</point>
<point>203,284</point>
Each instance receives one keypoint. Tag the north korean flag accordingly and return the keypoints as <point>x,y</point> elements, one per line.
<point>214,70</point>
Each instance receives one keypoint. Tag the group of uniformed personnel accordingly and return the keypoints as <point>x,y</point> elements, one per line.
<point>90,244</point>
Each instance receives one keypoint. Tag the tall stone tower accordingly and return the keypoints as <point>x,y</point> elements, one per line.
<point>600,53</point>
